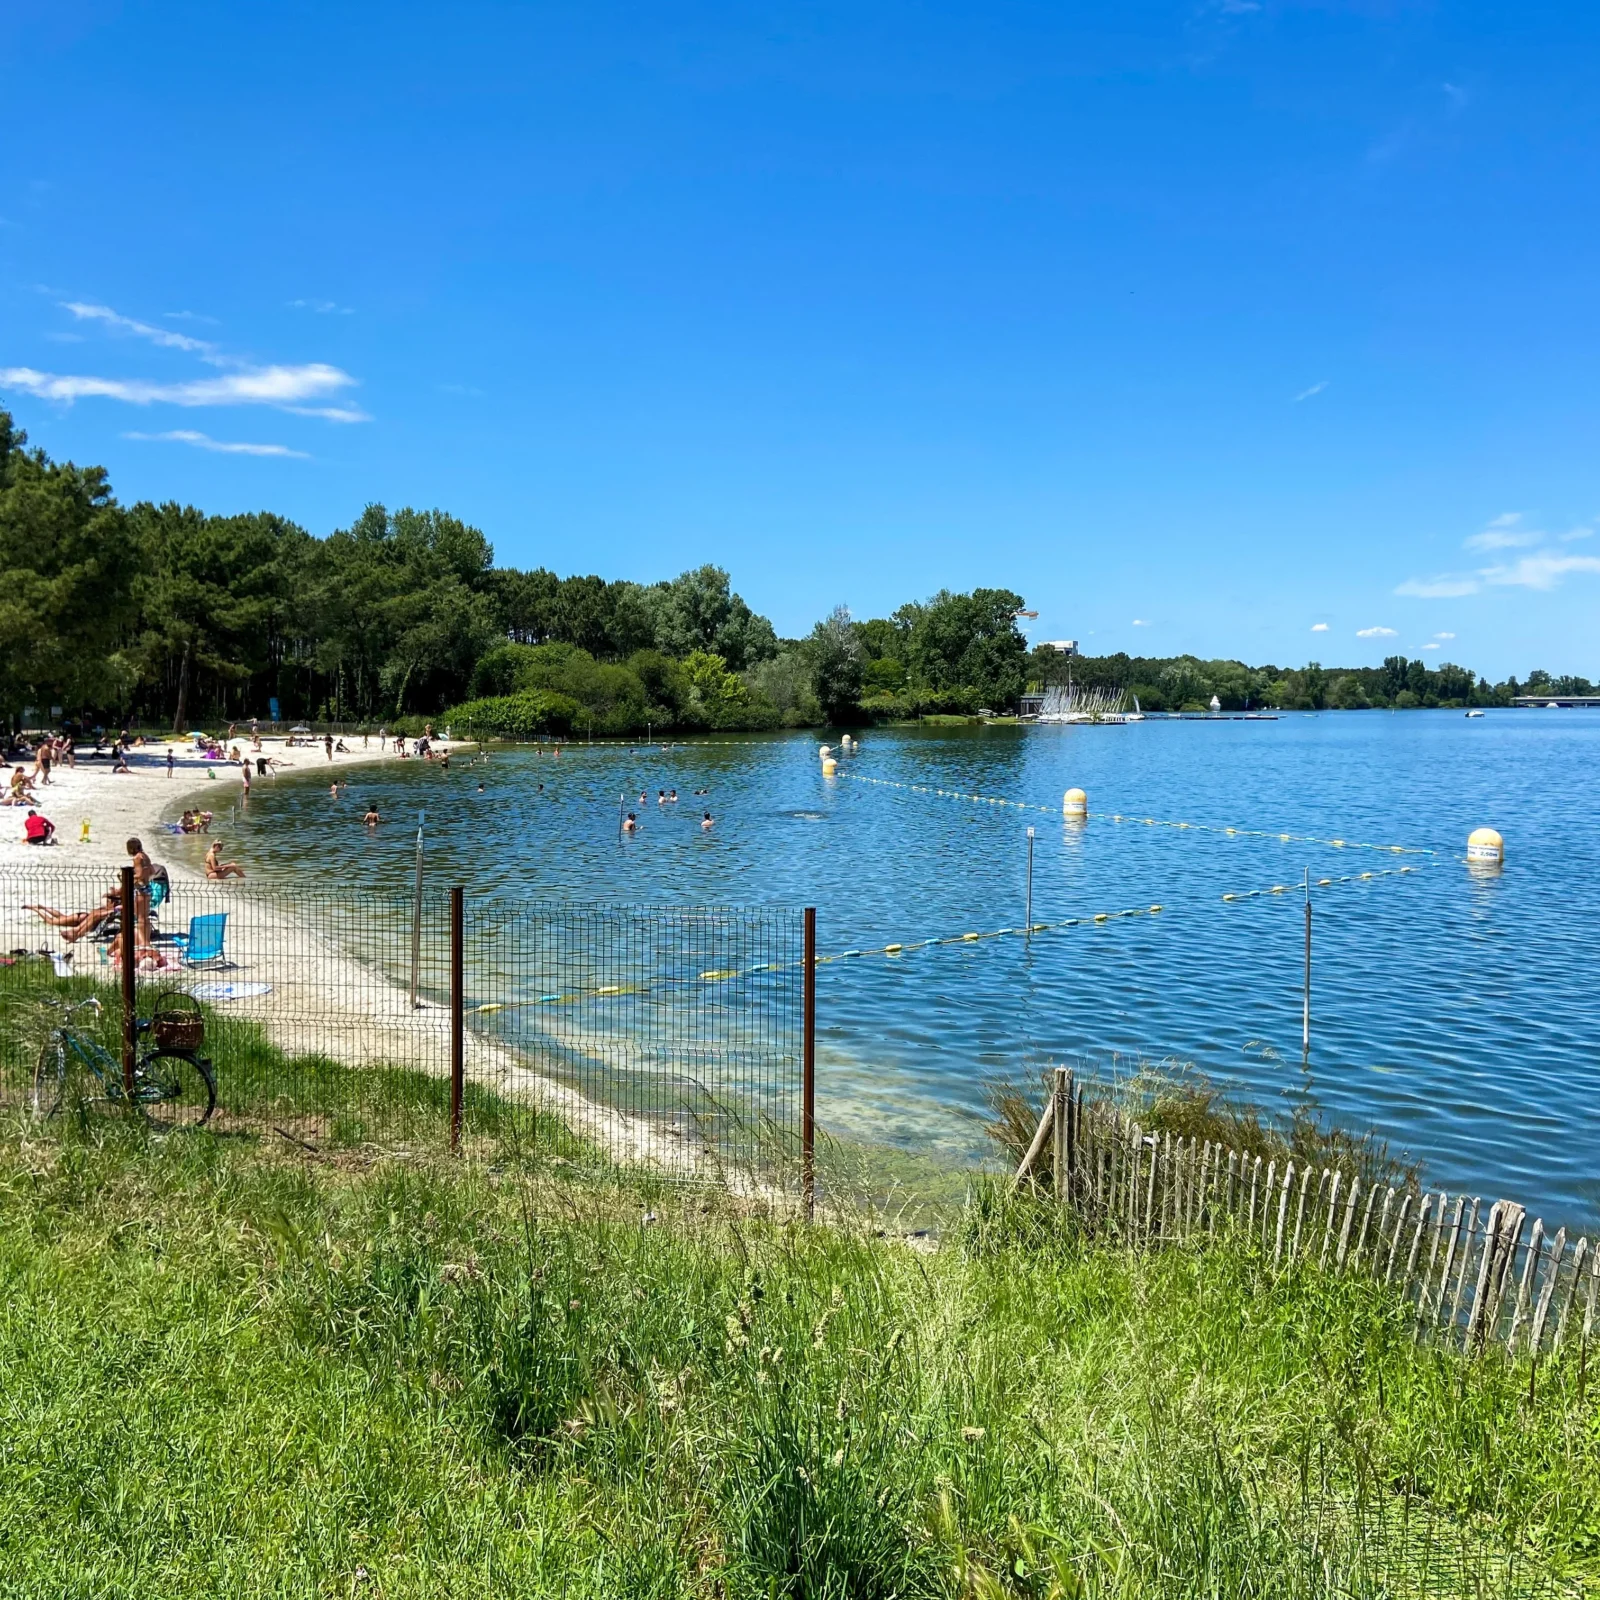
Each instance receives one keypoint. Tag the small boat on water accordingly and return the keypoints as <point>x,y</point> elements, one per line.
<point>1474,713</point>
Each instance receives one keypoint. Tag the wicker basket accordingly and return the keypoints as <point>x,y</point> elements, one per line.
<point>177,1024</point>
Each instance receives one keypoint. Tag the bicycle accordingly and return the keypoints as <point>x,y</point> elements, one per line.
<point>172,1087</point>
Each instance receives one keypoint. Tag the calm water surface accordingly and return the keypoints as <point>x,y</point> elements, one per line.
<point>1454,1011</point>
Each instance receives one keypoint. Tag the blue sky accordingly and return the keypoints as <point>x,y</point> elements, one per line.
<point>1253,329</point>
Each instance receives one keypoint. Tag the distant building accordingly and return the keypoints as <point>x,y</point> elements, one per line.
<point>1062,647</point>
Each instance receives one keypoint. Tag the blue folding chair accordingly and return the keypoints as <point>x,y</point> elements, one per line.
<point>202,944</point>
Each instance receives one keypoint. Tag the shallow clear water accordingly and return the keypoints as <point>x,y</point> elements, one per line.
<point>1454,1011</point>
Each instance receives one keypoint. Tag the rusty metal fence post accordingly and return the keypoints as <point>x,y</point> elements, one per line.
<point>457,1014</point>
<point>808,1081</point>
<point>130,956</point>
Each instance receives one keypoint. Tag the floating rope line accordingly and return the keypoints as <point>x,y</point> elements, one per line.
<point>1149,822</point>
<point>906,947</point>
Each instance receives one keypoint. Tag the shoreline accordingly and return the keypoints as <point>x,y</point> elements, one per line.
<point>317,996</point>
<point>134,805</point>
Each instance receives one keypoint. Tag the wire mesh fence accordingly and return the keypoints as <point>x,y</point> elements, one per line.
<point>668,1037</point>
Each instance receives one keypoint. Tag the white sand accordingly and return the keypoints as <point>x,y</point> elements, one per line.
<point>135,804</point>
<point>322,999</point>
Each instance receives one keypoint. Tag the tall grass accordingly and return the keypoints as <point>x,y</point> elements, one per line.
<point>234,1366</point>
<point>1175,1098</point>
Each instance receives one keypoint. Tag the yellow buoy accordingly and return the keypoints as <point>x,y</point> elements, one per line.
<point>1486,848</point>
<point>829,766</point>
<point>1074,803</point>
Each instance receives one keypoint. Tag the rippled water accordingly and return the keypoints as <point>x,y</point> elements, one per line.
<point>1456,1012</point>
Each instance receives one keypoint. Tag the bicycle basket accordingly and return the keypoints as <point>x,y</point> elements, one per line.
<point>177,1023</point>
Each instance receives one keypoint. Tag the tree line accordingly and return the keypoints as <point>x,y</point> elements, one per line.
<point>159,614</point>
<point>1186,683</point>
<point>163,615</point>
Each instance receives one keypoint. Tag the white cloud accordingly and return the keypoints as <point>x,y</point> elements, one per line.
<point>1376,633</point>
<point>1543,571</point>
<point>332,413</point>
<point>1493,538</point>
<point>1430,647</point>
<point>1141,622</point>
<point>323,308</point>
<point>162,336</point>
<point>280,386</point>
<point>309,389</point>
<point>1319,627</point>
<point>1306,394</point>
<point>225,447</point>
<point>1447,586</point>
<point>1444,636</point>
<point>1576,534</point>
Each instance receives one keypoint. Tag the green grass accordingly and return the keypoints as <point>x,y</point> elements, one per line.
<point>231,1367</point>
<point>305,1353</point>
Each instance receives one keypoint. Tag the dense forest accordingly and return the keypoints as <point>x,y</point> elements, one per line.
<point>162,615</point>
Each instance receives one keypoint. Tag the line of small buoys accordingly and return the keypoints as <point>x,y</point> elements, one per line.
<point>907,946</point>
<point>1075,806</point>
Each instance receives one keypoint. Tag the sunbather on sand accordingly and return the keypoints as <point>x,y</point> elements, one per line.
<point>75,924</point>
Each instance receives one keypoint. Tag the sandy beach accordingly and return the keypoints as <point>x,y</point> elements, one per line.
<point>137,804</point>
<point>288,968</point>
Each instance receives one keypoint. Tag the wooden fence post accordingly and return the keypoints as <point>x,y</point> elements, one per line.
<point>1551,1274</point>
<point>458,1006</point>
<point>1061,1108</point>
<point>808,1071</point>
<point>130,1007</point>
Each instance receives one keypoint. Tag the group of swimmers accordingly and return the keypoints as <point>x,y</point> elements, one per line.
<point>664,797</point>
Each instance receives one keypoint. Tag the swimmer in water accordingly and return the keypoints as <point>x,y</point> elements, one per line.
<point>644,799</point>
<point>705,822</point>
<point>372,819</point>
<point>661,797</point>
<point>672,797</point>
<point>631,825</point>
<point>480,788</point>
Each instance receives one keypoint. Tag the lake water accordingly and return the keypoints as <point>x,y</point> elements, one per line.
<point>1454,1011</point>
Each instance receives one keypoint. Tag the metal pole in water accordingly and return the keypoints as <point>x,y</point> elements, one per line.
<point>1305,1015</point>
<point>1028,925</point>
<point>416,917</point>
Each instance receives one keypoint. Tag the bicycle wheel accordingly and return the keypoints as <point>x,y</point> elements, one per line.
<point>174,1089</point>
<point>49,1079</point>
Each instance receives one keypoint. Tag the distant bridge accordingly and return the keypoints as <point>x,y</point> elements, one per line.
<point>1565,701</point>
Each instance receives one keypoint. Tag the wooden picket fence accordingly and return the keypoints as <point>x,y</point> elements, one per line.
<point>1475,1276</point>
